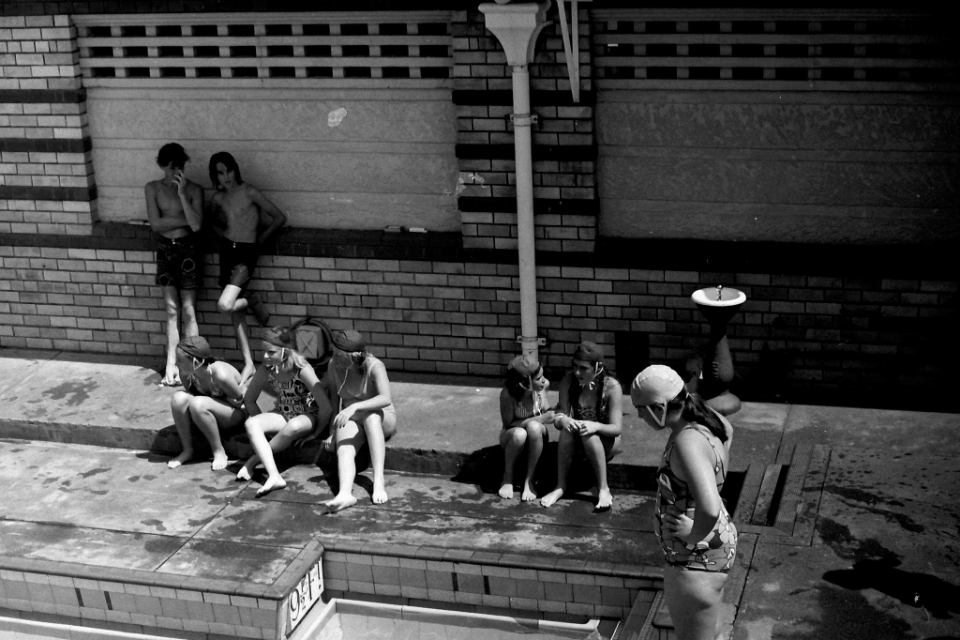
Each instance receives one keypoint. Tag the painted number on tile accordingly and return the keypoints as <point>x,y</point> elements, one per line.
<point>304,595</point>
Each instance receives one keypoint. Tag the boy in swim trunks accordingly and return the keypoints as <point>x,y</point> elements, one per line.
<point>242,207</point>
<point>174,210</point>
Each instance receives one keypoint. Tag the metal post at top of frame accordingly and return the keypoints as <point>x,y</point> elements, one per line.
<point>571,50</point>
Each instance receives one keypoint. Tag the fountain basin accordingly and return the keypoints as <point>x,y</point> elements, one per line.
<point>727,298</point>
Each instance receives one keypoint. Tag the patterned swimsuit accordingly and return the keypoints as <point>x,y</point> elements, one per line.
<point>721,542</point>
<point>293,397</point>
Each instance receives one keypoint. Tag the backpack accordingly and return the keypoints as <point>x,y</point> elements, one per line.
<point>314,342</point>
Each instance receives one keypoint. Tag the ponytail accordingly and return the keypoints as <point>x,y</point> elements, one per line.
<point>695,410</point>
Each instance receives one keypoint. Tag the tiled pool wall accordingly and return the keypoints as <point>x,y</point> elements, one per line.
<point>561,590</point>
<point>557,589</point>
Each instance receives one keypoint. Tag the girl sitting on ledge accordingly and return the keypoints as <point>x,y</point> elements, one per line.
<point>295,413</point>
<point>524,413</point>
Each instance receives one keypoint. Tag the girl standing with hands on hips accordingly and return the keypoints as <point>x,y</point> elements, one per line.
<point>691,521</point>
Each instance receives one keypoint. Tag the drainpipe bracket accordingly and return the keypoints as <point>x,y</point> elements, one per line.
<point>540,341</point>
<point>524,120</point>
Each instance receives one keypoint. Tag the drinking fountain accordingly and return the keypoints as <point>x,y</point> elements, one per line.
<point>711,379</point>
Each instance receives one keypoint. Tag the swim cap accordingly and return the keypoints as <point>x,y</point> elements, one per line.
<point>589,352</point>
<point>525,365</point>
<point>196,347</point>
<point>350,341</point>
<point>657,384</point>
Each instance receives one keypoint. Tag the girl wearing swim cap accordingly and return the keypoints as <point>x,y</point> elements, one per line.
<point>691,521</point>
<point>524,412</point>
<point>589,418</point>
<point>357,388</point>
<point>211,399</point>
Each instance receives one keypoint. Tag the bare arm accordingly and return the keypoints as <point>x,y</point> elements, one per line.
<point>324,409</point>
<point>228,379</point>
<point>506,409</point>
<point>382,386</point>
<point>158,222</point>
<point>191,199</point>
<point>564,420</point>
<point>276,217</point>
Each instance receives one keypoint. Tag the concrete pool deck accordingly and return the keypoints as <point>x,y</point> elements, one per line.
<point>867,549</point>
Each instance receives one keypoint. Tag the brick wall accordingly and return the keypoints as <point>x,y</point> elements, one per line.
<point>854,329</point>
<point>564,145</point>
<point>46,172</point>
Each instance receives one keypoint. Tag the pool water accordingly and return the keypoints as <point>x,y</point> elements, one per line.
<point>349,620</point>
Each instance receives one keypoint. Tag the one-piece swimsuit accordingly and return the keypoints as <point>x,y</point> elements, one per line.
<point>293,397</point>
<point>721,542</point>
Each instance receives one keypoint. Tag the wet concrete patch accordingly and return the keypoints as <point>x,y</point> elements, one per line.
<point>788,597</point>
<point>228,560</point>
<point>107,489</point>
<point>86,545</point>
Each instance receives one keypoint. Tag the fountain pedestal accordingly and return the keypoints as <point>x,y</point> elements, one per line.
<point>712,381</point>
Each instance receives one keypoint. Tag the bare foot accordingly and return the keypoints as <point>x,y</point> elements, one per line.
<point>379,494</point>
<point>340,502</point>
<point>180,459</point>
<point>272,484</point>
<point>550,498</point>
<point>528,495</point>
<point>604,499</point>
<point>244,474</point>
<point>219,460</point>
<point>246,374</point>
<point>171,377</point>
<point>506,491</point>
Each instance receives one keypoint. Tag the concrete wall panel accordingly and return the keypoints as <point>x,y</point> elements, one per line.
<point>387,161</point>
<point>762,167</point>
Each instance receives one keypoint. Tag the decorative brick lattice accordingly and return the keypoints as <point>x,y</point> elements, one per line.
<point>387,45</point>
<point>564,144</point>
<point>861,51</point>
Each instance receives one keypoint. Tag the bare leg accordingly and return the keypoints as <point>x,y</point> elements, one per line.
<point>597,456</point>
<point>512,441</point>
<point>180,408</point>
<point>349,439</point>
<point>209,415</point>
<point>564,462</point>
<point>535,432</point>
<point>694,600</point>
<point>231,302</point>
<point>373,429</point>
<point>289,432</point>
<point>188,312</point>
<point>171,303</point>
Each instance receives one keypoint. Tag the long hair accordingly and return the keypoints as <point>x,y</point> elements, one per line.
<point>222,157</point>
<point>695,410</point>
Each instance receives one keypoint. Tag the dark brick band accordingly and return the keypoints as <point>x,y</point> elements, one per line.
<point>710,257</point>
<point>71,194</point>
<point>41,96</point>
<point>540,206</point>
<point>468,97</point>
<point>573,153</point>
<point>46,145</point>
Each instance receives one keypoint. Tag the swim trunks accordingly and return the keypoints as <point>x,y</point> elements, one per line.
<point>178,262</point>
<point>719,549</point>
<point>237,262</point>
